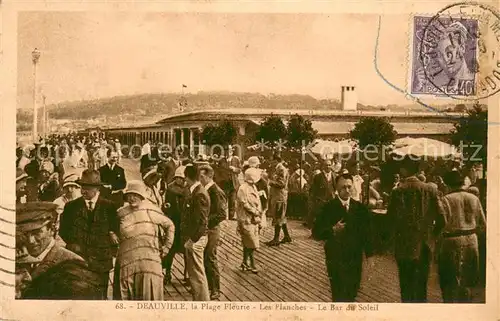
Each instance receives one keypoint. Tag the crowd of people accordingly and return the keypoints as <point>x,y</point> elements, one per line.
<point>78,218</point>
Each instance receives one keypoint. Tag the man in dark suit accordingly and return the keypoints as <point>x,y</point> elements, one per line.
<point>321,191</point>
<point>113,179</point>
<point>89,226</point>
<point>195,227</point>
<point>218,213</point>
<point>415,209</point>
<point>230,167</point>
<point>57,274</point>
<point>166,168</point>
<point>344,225</point>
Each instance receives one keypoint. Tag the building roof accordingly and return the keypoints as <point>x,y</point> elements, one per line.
<point>246,113</point>
<point>330,128</point>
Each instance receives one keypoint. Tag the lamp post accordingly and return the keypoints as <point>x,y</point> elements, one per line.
<point>35,55</point>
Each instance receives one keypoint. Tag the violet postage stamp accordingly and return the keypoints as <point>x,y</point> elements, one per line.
<point>445,56</point>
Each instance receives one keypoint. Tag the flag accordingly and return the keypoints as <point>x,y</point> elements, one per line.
<point>184,86</point>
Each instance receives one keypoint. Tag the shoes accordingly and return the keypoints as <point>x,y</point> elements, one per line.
<point>215,295</point>
<point>286,240</point>
<point>167,279</point>
<point>186,281</point>
<point>244,267</point>
<point>254,270</point>
<point>273,243</point>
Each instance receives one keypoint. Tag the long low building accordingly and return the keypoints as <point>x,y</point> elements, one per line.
<point>185,128</point>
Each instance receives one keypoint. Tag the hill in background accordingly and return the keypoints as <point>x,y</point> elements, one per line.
<point>148,108</point>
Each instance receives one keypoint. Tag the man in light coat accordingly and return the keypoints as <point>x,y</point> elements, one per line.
<point>278,196</point>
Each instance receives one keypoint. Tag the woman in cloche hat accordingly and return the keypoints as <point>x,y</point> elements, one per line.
<point>249,216</point>
<point>142,225</point>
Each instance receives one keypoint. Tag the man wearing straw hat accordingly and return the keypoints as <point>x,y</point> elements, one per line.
<point>56,273</point>
<point>89,226</point>
<point>72,191</point>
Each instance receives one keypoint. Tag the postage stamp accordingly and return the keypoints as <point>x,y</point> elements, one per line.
<point>446,56</point>
<point>455,52</point>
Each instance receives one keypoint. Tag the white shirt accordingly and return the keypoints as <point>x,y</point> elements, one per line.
<point>209,185</point>
<point>46,251</point>
<point>111,167</point>
<point>328,176</point>
<point>191,189</point>
<point>93,200</point>
<point>345,203</point>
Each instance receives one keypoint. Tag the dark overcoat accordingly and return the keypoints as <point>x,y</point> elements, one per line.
<point>344,250</point>
<point>89,231</point>
<point>62,275</point>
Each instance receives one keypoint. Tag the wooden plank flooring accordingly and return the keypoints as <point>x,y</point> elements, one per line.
<point>293,272</point>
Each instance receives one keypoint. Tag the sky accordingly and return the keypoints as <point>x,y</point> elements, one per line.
<point>88,55</point>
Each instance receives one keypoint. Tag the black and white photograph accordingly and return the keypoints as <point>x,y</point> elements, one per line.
<point>231,158</point>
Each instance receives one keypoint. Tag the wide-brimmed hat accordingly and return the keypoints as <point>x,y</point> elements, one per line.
<point>71,180</point>
<point>136,187</point>
<point>90,178</point>
<point>34,215</point>
<point>20,175</point>
<point>253,175</point>
<point>179,172</point>
<point>149,171</point>
<point>253,161</point>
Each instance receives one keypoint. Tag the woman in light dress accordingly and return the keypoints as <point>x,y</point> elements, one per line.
<point>249,216</point>
<point>141,247</point>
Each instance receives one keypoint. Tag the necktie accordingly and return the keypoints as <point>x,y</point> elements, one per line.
<point>90,206</point>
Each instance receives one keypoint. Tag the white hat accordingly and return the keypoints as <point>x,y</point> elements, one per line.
<point>136,187</point>
<point>253,175</point>
<point>71,179</point>
<point>253,161</point>
<point>179,172</point>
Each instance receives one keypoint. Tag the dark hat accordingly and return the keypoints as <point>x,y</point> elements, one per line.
<point>34,215</point>
<point>453,178</point>
<point>90,178</point>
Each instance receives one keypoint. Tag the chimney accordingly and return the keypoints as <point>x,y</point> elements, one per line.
<point>349,99</point>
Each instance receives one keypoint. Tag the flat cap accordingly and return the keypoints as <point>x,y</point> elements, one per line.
<point>34,215</point>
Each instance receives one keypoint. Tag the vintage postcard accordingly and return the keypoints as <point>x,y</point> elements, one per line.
<point>249,160</point>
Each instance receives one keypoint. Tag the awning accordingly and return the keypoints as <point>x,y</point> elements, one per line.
<point>425,147</point>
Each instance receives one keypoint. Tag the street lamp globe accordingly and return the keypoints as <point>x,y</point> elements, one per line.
<point>35,54</point>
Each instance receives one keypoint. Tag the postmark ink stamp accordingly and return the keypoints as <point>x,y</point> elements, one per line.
<point>455,53</point>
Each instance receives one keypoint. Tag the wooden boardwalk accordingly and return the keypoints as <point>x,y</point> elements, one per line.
<point>293,272</point>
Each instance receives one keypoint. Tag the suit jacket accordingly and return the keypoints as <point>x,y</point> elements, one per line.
<point>321,190</point>
<point>167,171</point>
<point>115,177</point>
<point>349,244</point>
<point>279,184</point>
<point>218,206</point>
<point>196,211</point>
<point>229,178</point>
<point>418,217</point>
<point>87,233</point>
<point>62,275</point>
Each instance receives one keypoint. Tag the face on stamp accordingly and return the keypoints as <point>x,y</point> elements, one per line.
<point>455,53</point>
<point>445,56</point>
